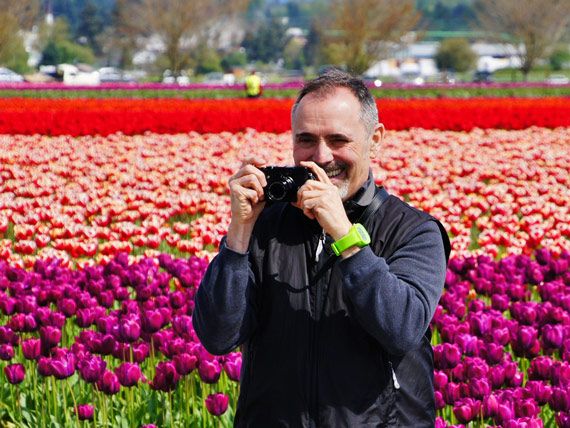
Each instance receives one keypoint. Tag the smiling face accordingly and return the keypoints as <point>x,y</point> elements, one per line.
<point>329,131</point>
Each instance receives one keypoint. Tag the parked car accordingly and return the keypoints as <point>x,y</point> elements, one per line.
<point>180,79</point>
<point>557,79</point>
<point>72,75</point>
<point>219,78</point>
<point>7,75</point>
<point>112,74</point>
<point>412,78</point>
<point>483,76</point>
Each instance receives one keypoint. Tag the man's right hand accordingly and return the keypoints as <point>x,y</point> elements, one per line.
<point>247,201</point>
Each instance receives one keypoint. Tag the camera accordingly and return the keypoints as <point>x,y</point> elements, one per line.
<point>283,182</point>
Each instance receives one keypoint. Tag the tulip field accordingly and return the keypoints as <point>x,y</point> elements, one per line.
<point>111,209</point>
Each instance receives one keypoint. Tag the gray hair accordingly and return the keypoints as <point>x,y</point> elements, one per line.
<point>325,84</point>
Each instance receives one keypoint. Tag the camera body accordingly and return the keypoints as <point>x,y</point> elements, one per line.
<point>283,182</point>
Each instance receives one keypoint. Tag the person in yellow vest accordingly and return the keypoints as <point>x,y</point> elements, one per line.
<point>253,85</point>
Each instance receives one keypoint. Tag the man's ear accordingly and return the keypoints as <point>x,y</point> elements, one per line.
<point>376,140</point>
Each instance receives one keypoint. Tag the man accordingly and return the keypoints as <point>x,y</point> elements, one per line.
<point>253,85</point>
<point>328,341</point>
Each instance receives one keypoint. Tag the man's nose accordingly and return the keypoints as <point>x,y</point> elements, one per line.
<point>322,154</point>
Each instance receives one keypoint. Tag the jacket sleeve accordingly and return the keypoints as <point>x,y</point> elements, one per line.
<point>224,316</point>
<point>394,299</point>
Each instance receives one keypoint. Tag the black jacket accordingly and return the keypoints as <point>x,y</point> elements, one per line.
<point>347,347</point>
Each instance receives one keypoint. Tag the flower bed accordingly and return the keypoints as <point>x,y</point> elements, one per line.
<point>104,239</point>
<point>133,116</point>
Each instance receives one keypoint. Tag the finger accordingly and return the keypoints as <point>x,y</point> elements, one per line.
<point>317,170</point>
<point>249,181</point>
<point>254,160</point>
<point>247,171</point>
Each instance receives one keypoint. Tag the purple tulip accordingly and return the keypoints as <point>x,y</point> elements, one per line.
<point>85,318</point>
<point>559,401</point>
<point>560,374</point>
<point>492,352</point>
<point>182,325</point>
<point>209,371</point>
<point>6,352</point>
<point>7,335</point>
<point>451,392</point>
<point>540,368</point>
<point>527,408</point>
<point>31,348</point>
<point>84,412</point>
<point>91,368</point>
<point>105,324</point>
<point>526,422</point>
<point>129,329</point>
<point>67,306</point>
<point>166,377</point>
<point>479,388</point>
<point>552,336</point>
<point>232,367</point>
<point>108,383</point>
<point>217,404</point>
<point>540,391</point>
<point>44,367</point>
<point>490,406</point>
<point>466,409</point>
<point>496,376</point>
<point>62,367</point>
<point>440,422</point>
<point>505,412</point>
<point>49,336</point>
<point>525,342</point>
<point>500,302</point>
<point>152,321</point>
<point>468,343</point>
<point>185,363</point>
<point>15,373</point>
<point>447,355</point>
<point>8,305</point>
<point>563,420</point>
<point>129,374</point>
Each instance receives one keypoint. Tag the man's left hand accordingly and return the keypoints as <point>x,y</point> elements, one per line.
<point>321,200</point>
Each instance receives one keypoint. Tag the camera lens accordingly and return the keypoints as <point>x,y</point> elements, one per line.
<point>279,189</point>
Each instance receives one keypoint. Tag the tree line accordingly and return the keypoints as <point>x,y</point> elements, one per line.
<point>348,33</point>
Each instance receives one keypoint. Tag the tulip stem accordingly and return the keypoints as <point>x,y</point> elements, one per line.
<point>74,402</point>
<point>132,406</point>
<point>170,409</point>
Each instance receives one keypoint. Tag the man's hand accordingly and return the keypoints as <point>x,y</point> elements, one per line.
<point>321,200</point>
<point>247,201</point>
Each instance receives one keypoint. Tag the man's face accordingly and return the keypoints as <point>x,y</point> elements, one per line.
<point>329,132</point>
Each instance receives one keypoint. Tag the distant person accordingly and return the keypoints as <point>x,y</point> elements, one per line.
<point>253,85</point>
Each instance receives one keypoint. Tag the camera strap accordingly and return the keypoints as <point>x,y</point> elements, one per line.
<point>379,197</point>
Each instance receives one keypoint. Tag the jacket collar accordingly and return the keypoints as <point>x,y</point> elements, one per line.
<point>361,199</point>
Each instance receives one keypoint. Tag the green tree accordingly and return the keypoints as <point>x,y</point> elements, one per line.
<point>237,58</point>
<point>536,25</point>
<point>57,47</point>
<point>455,54</point>
<point>360,27</point>
<point>312,48</point>
<point>90,25</point>
<point>179,22</point>
<point>15,16</point>
<point>559,59</point>
<point>205,59</point>
<point>293,55</point>
<point>267,43</point>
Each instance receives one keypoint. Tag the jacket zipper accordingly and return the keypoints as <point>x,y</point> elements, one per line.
<point>318,309</point>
